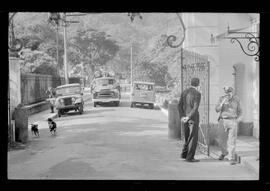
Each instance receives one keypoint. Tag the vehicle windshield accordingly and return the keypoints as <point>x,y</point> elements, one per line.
<point>145,87</point>
<point>68,90</point>
<point>103,82</point>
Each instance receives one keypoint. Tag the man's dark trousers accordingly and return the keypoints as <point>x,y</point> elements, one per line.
<point>191,138</point>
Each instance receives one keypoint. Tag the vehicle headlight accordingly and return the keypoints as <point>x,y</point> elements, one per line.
<point>78,100</point>
<point>61,101</point>
<point>115,94</point>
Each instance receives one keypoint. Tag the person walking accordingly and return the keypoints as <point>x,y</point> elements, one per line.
<point>188,110</point>
<point>229,117</point>
<point>51,94</point>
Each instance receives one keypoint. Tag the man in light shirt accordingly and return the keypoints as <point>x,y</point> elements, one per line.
<point>230,115</point>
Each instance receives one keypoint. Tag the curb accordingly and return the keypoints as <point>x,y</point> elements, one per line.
<point>247,162</point>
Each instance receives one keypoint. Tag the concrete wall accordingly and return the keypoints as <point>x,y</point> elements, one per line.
<point>15,83</point>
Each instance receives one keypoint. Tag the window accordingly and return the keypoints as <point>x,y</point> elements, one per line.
<point>105,82</point>
<point>146,87</point>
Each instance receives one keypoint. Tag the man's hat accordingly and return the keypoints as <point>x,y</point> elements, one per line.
<point>195,82</point>
<point>228,89</point>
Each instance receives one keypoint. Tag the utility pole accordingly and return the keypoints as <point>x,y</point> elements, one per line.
<point>82,72</point>
<point>65,50</point>
<point>57,50</point>
<point>131,66</point>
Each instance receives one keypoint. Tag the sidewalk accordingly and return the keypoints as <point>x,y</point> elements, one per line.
<point>247,150</point>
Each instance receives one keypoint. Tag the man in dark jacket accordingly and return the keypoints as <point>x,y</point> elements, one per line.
<point>188,110</point>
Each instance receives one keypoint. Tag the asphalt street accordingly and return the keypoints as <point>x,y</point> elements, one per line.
<point>114,143</point>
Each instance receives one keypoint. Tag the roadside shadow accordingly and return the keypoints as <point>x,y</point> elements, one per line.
<point>94,111</point>
<point>211,159</point>
<point>208,160</point>
<point>91,111</point>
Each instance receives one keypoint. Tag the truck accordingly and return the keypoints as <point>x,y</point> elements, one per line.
<point>105,90</point>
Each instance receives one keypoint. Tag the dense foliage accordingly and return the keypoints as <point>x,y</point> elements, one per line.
<point>100,41</point>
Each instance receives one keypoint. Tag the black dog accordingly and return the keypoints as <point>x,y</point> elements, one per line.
<point>52,126</point>
<point>34,129</point>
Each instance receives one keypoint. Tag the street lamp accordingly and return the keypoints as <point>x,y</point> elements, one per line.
<point>173,38</point>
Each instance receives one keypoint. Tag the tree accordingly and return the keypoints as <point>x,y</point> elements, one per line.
<point>94,47</point>
<point>37,62</point>
<point>39,52</point>
<point>149,66</point>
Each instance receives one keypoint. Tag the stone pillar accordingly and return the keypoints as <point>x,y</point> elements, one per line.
<point>14,92</point>
<point>14,82</point>
<point>255,99</point>
<point>174,130</point>
<point>21,124</point>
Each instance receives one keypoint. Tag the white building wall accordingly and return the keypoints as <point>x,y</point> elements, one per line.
<point>223,55</point>
<point>199,27</point>
<point>231,54</point>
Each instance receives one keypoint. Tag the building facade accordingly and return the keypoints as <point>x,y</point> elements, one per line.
<point>229,65</point>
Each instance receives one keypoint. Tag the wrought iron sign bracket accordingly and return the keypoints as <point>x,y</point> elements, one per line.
<point>253,45</point>
<point>172,38</point>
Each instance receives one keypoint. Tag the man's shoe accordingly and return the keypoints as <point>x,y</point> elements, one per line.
<point>183,157</point>
<point>192,160</point>
<point>221,157</point>
<point>233,162</point>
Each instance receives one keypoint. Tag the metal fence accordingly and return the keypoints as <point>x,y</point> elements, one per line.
<point>34,86</point>
<point>196,65</point>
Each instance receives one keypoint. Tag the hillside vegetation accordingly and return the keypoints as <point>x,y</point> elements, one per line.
<point>102,41</point>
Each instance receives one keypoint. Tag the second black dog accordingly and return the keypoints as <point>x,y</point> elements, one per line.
<point>52,126</point>
<point>34,129</point>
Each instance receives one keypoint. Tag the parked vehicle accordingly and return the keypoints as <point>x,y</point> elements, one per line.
<point>105,90</point>
<point>143,93</point>
<point>69,97</point>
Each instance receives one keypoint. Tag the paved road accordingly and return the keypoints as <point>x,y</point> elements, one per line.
<point>114,143</point>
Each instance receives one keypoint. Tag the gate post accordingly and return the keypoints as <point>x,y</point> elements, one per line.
<point>174,130</point>
<point>21,124</point>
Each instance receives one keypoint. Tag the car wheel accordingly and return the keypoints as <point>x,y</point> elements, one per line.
<point>117,103</point>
